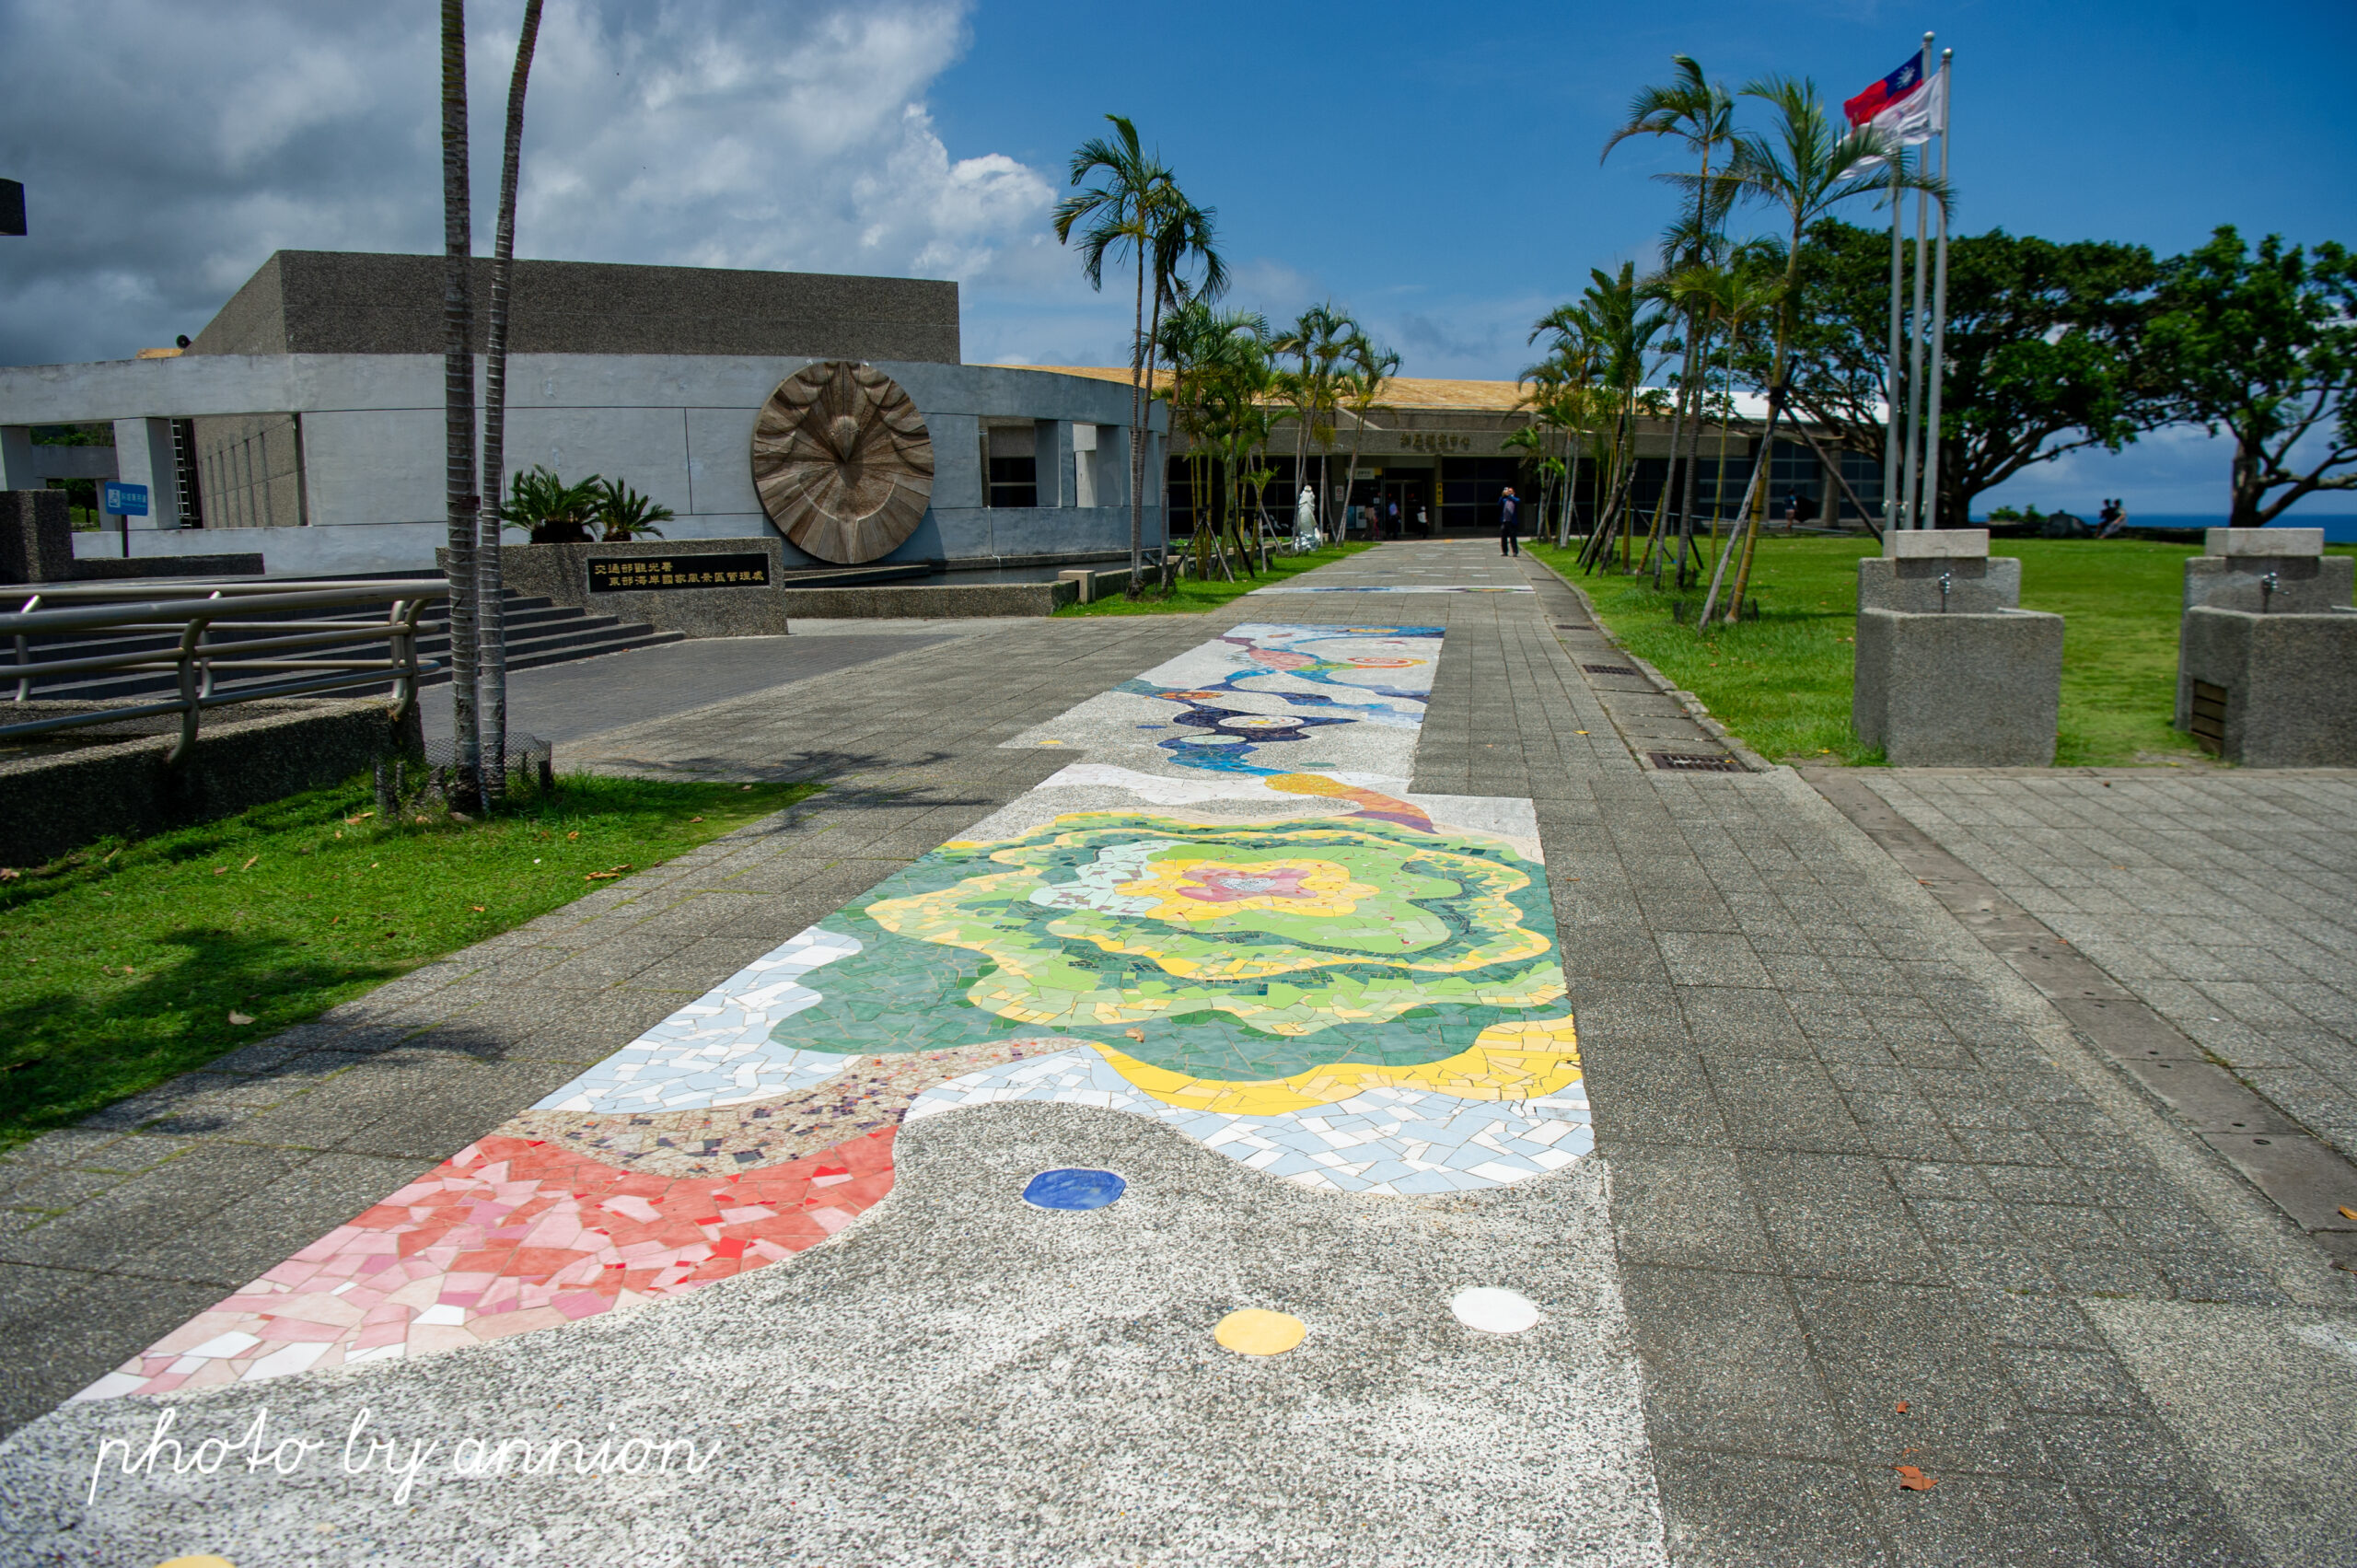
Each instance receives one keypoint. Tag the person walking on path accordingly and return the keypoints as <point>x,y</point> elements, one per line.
<point>1509,524</point>
<point>1391,517</point>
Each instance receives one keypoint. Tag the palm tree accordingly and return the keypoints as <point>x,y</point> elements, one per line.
<point>1803,167</point>
<point>1180,240</point>
<point>459,399</point>
<point>1702,114</point>
<point>1368,369</point>
<point>491,604</point>
<point>1611,328</point>
<point>1318,339</point>
<point>1118,213</point>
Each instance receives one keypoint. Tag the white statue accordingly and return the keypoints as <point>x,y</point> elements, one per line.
<point>1304,511</point>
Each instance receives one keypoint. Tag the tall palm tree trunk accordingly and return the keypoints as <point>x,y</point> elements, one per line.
<point>492,607</point>
<point>1140,400</point>
<point>458,401</point>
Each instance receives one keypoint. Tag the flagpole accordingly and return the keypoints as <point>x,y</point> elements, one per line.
<point>1917,318</point>
<point>1939,314</point>
<point>1891,518</point>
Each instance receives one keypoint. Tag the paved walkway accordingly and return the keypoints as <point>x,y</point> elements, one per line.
<point>1860,1196</point>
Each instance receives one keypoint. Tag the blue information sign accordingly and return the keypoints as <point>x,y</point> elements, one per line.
<point>126,500</point>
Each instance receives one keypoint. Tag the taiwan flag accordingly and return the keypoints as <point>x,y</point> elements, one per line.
<point>1905,107</point>
<point>1888,94</point>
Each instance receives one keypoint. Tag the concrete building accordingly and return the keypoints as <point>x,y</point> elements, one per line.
<point>1441,444</point>
<point>304,422</point>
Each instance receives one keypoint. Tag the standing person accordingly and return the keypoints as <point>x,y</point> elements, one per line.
<point>1509,524</point>
<point>1391,516</point>
<point>1792,511</point>
<point>1423,524</point>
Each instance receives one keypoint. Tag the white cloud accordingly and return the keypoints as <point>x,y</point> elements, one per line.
<point>168,146</point>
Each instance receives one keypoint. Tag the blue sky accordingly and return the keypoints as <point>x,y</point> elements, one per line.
<point>1432,168</point>
<point>1437,169</point>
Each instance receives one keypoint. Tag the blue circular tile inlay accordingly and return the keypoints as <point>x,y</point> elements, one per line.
<point>1073,1188</point>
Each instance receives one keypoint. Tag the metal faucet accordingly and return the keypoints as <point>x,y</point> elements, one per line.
<point>2266,591</point>
<point>1948,579</point>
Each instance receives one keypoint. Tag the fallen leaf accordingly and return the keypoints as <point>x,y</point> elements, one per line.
<point>355,821</point>
<point>1902,1407</point>
<point>8,874</point>
<point>477,907</point>
<point>1914,1479</point>
<point>220,871</point>
<point>248,866</point>
<point>2347,1212</point>
<point>460,817</point>
<point>337,921</point>
<point>239,1019</point>
<point>695,819</point>
<point>575,834</point>
<point>744,787</point>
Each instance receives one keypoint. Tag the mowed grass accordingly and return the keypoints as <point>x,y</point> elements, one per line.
<point>125,963</point>
<point>1783,683</point>
<point>1189,597</point>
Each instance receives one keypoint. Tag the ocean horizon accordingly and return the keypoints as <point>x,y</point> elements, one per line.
<point>2339,527</point>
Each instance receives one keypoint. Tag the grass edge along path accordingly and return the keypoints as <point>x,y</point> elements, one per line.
<point>1783,681</point>
<point>124,964</point>
<point>1191,596</point>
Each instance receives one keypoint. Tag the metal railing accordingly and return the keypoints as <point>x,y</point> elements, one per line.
<point>191,614</point>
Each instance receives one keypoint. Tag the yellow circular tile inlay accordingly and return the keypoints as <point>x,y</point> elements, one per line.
<point>1250,1332</point>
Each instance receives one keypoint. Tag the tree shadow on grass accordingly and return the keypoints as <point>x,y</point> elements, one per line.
<point>64,1056</point>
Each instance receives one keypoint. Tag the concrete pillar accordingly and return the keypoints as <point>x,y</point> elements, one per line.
<point>143,455</point>
<point>1051,451</point>
<point>2267,651</point>
<point>1950,671</point>
<point>16,459</point>
<point>1086,486</point>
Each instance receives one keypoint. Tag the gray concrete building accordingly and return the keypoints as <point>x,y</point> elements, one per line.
<point>305,421</point>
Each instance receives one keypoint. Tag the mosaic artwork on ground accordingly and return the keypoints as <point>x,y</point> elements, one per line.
<point>1233,918</point>
<point>1392,588</point>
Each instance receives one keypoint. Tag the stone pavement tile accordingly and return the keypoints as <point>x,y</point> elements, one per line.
<point>1673,1203</point>
<point>1763,1511</point>
<point>128,1224</point>
<point>2167,1524</point>
<point>1882,1346</point>
<point>61,1327</point>
<point>1838,1216</point>
<point>1651,1093</point>
<point>2072,1382</point>
<point>1784,1103</point>
<point>1726,1366</point>
<point>1698,958</point>
<point>1976,1521</point>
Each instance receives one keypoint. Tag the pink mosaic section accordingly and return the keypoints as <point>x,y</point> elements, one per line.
<point>508,1235</point>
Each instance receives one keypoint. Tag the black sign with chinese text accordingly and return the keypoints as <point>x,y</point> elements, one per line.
<point>637,574</point>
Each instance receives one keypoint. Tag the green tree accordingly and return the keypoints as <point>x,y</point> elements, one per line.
<point>2046,351</point>
<point>459,396</point>
<point>2263,345</point>
<point>1318,341</point>
<point>1803,167</point>
<point>492,607</point>
<point>1700,113</point>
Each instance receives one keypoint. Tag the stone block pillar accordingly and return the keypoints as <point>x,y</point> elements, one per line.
<point>36,537</point>
<point>1052,452</point>
<point>144,454</point>
<point>2267,653</point>
<point>16,459</point>
<point>1951,671</point>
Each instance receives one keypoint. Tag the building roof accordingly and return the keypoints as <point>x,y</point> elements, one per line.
<point>345,302</point>
<point>1399,392</point>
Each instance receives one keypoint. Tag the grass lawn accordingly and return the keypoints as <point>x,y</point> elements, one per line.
<point>125,963</point>
<point>1783,683</point>
<point>1190,598</point>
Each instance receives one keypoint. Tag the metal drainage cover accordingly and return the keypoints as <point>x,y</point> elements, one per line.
<point>1607,670</point>
<point>1695,762</point>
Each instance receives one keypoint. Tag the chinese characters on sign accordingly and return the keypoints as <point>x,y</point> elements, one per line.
<point>1433,441</point>
<point>635,574</point>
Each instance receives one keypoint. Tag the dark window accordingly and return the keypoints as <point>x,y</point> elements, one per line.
<point>1864,475</point>
<point>1795,472</point>
<point>1014,482</point>
<point>1470,487</point>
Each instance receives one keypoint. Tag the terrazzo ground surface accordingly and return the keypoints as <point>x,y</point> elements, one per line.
<point>1857,1197</point>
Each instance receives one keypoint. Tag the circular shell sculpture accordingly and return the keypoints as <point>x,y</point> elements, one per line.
<point>842,461</point>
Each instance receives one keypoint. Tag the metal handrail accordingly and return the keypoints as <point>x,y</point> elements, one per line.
<point>230,606</point>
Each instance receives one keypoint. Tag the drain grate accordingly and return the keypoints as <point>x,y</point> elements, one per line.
<point>1695,762</point>
<point>1607,670</point>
